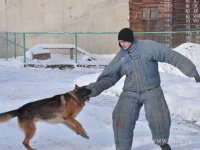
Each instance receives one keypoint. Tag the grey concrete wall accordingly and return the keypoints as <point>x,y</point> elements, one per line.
<point>67,16</point>
<point>2,15</point>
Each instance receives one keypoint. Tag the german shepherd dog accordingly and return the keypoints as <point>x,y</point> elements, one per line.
<point>58,109</point>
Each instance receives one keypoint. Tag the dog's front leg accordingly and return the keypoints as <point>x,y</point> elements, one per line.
<point>76,126</point>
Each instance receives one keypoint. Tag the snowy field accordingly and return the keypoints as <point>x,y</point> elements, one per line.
<point>21,85</point>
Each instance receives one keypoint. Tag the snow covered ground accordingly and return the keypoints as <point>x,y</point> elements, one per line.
<point>22,85</point>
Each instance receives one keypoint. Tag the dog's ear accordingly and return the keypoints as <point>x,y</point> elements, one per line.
<point>76,86</point>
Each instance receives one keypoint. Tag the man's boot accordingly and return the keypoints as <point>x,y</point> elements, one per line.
<point>165,147</point>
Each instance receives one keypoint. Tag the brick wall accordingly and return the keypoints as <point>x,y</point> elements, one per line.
<point>164,15</point>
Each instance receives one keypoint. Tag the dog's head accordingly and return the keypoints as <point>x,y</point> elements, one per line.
<point>82,93</point>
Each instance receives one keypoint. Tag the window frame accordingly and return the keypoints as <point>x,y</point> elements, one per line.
<point>149,14</point>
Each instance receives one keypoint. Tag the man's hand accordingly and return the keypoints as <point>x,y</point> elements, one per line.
<point>197,78</point>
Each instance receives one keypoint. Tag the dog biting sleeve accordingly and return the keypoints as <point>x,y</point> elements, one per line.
<point>108,78</point>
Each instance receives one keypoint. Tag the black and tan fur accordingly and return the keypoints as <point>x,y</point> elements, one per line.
<point>58,109</point>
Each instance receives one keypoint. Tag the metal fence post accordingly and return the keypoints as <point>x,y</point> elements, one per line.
<point>6,45</point>
<point>189,36</point>
<point>24,45</point>
<point>15,45</point>
<point>76,47</point>
<point>190,39</point>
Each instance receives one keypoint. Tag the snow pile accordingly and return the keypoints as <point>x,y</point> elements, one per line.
<point>45,48</point>
<point>12,62</point>
<point>83,57</point>
<point>191,51</point>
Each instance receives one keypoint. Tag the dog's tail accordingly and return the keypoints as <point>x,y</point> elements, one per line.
<point>8,115</point>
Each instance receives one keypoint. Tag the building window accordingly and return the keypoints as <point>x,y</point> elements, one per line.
<point>149,14</point>
<point>145,14</point>
<point>154,14</point>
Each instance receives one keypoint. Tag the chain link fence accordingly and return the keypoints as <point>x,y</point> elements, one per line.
<point>91,48</point>
<point>11,45</point>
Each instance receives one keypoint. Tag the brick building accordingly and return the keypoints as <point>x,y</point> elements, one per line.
<point>165,15</point>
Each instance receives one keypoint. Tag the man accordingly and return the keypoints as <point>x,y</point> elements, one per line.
<point>138,61</point>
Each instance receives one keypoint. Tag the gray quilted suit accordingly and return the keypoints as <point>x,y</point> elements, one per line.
<point>141,87</point>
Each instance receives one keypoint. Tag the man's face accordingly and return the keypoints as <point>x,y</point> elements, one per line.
<point>125,44</point>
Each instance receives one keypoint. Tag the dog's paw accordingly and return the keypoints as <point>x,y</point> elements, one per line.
<point>85,136</point>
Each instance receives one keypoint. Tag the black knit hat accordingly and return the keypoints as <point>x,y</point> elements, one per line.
<point>126,34</point>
